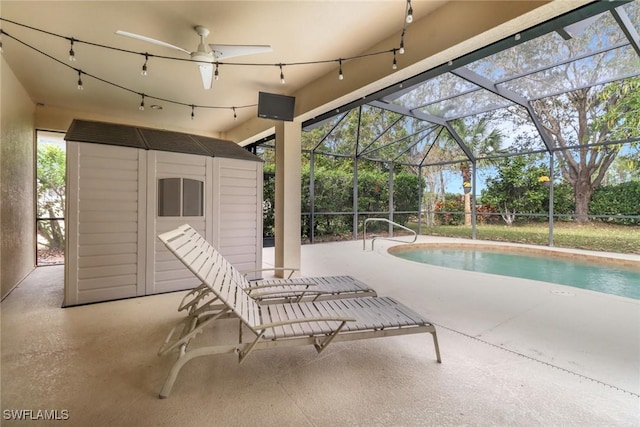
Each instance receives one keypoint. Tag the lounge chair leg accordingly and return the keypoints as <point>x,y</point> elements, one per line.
<point>322,345</point>
<point>435,344</point>
<point>242,354</point>
<point>173,374</point>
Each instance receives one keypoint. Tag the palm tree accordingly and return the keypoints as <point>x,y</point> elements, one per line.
<point>481,140</point>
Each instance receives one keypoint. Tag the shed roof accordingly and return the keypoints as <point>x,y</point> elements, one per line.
<point>155,139</point>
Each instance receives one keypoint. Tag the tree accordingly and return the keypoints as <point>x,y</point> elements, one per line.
<point>590,116</point>
<point>516,189</point>
<point>481,139</point>
<point>51,194</point>
<point>581,93</point>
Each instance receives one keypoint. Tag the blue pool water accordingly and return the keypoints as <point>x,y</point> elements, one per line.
<point>607,279</point>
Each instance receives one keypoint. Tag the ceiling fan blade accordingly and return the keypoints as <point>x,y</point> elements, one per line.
<point>150,40</point>
<point>225,51</point>
<point>206,72</point>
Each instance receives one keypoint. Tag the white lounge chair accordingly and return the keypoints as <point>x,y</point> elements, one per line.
<point>315,323</point>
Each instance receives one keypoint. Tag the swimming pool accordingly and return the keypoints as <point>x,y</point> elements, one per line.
<point>586,274</point>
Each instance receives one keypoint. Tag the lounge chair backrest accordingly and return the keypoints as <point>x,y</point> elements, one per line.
<point>224,280</point>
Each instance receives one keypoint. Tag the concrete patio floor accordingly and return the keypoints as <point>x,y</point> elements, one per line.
<point>515,352</point>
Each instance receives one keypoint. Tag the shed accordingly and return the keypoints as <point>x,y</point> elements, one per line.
<point>127,184</point>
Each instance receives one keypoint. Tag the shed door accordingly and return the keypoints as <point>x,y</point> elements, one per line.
<point>178,192</point>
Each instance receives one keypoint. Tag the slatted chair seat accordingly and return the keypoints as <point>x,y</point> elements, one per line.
<point>316,323</point>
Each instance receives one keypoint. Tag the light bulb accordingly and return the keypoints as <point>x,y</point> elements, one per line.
<point>80,87</point>
<point>216,74</point>
<point>281,75</point>
<point>144,66</point>
<point>72,54</point>
<point>410,13</point>
<point>340,75</point>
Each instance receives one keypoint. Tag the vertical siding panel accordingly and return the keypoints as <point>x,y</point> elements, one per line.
<point>71,226</point>
<point>110,221</point>
<point>215,208</point>
<point>241,215</point>
<point>141,288</point>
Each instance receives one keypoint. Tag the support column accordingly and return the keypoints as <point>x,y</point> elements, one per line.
<point>288,199</point>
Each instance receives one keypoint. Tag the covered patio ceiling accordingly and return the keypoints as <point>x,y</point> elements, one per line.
<point>307,39</point>
<point>589,47</point>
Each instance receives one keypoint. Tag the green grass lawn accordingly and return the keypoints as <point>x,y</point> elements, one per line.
<point>592,236</point>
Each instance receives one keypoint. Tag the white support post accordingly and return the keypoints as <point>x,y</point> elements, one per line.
<point>288,199</point>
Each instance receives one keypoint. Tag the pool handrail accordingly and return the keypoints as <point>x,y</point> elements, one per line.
<point>364,232</point>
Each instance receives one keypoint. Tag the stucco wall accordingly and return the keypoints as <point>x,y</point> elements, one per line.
<point>17,239</point>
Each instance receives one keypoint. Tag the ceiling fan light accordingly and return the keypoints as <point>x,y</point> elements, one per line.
<point>206,72</point>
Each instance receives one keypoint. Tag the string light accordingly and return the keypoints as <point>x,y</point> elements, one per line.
<point>409,18</point>
<point>80,87</point>
<point>107,82</point>
<point>72,54</point>
<point>144,69</point>
<point>144,66</point>
<point>72,58</point>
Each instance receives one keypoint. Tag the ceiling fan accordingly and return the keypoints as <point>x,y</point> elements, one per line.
<point>207,55</point>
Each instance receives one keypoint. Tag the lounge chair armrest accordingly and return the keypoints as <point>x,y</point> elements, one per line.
<point>276,285</point>
<point>258,296</point>
<point>305,320</point>
<point>290,270</point>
